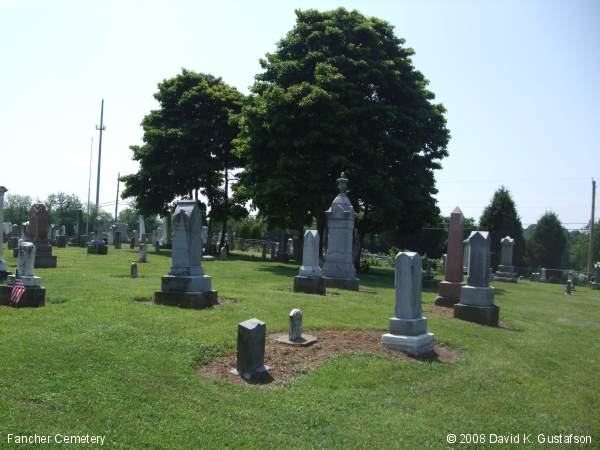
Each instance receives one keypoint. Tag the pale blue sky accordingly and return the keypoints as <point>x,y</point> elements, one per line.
<point>520,80</point>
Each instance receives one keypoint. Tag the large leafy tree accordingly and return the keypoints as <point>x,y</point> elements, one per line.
<point>501,219</point>
<point>341,93</point>
<point>547,244</point>
<point>16,208</point>
<point>579,249</point>
<point>63,209</point>
<point>187,144</point>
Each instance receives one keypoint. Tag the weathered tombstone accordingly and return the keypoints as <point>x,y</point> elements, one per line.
<point>477,297</point>
<point>282,252</point>
<point>273,250</point>
<point>264,251</point>
<point>569,287</point>
<point>142,229</point>
<point>443,265</point>
<point>133,271</point>
<point>142,253</point>
<point>223,253</point>
<point>338,269</point>
<point>117,239</point>
<point>310,279</point>
<point>13,241</point>
<point>295,336</point>
<point>449,292</point>
<point>38,235</point>
<point>97,246</point>
<point>122,228</point>
<point>164,230</point>
<point>428,280</point>
<point>466,256</point>
<point>408,328</point>
<point>35,294</point>
<point>186,285</point>
<point>156,247</point>
<point>134,240</point>
<point>251,348</point>
<point>3,266</point>
<point>110,238</point>
<point>78,229</point>
<point>506,270</point>
<point>596,282</point>
<point>543,278</point>
<point>290,247</point>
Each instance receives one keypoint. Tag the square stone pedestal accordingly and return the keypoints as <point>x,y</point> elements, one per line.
<point>595,285</point>
<point>413,345</point>
<point>340,283</point>
<point>32,298</point>
<point>193,300</point>
<point>45,261</point>
<point>96,248</point>
<point>309,285</point>
<point>449,293</point>
<point>483,315</point>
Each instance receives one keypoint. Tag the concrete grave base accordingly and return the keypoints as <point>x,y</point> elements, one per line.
<point>408,327</point>
<point>351,285</point>
<point>249,375</point>
<point>304,341</point>
<point>309,285</point>
<point>508,277</point>
<point>595,285</point>
<point>32,298</point>
<point>413,345</point>
<point>45,261</point>
<point>484,315</point>
<point>449,293</point>
<point>97,249</point>
<point>193,300</point>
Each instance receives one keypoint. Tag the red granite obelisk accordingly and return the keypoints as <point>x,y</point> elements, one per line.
<point>449,293</point>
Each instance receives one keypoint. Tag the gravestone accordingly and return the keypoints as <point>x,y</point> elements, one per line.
<point>3,266</point>
<point>310,279</point>
<point>122,228</point>
<point>142,253</point>
<point>596,283</point>
<point>97,246</point>
<point>110,238</point>
<point>78,228</point>
<point>477,297</point>
<point>338,269</point>
<point>449,292</point>
<point>443,265</point>
<point>223,253</point>
<point>290,247</point>
<point>543,278</point>
<point>282,252</point>
<point>117,239</point>
<point>35,294</point>
<point>38,235</point>
<point>141,229</point>
<point>466,257</point>
<point>569,287</point>
<point>264,251</point>
<point>408,328</point>
<point>506,270</point>
<point>164,230</point>
<point>250,360</point>
<point>295,336</point>
<point>133,271</point>
<point>134,239</point>
<point>273,250</point>
<point>428,280</point>
<point>13,240</point>
<point>186,284</point>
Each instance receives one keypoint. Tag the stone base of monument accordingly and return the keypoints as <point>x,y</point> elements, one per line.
<point>484,315</point>
<point>32,298</point>
<point>44,261</point>
<point>340,283</point>
<point>96,248</point>
<point>595,285</point>
<point>61,241</point>
<point>449,293</point>
<point>506,277</point>
<point>4,274</point>
<point>413,345</point>
<point>193,300</point>
<point>12,243</point>
<point>430,283</point>
<point>309,285</point>
<point>304,340</point>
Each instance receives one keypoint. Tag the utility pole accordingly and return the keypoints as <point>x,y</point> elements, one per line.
<point>101,128</point>
<point>117,201</point>
<point>87,222</point>
<point>591,240</point>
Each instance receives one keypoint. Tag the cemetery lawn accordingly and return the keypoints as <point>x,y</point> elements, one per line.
<point>98,361</point>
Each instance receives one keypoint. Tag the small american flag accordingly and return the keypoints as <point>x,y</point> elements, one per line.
<point>18,289</point>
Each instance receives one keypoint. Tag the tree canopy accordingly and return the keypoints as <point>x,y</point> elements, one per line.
<point>187,143</point>
<point>501,219</point>
<point>547,244</point>
<point>63,209</point>
<point>340,93</point>
<point>16,208</point>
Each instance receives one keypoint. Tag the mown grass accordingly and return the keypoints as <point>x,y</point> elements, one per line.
<point>96,361</point>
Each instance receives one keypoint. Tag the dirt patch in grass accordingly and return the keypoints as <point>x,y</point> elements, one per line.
<point>442,311</point>
<point>287,362</point>
<point>225,301</point>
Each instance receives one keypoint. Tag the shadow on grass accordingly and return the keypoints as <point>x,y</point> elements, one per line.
<point>284,271</point>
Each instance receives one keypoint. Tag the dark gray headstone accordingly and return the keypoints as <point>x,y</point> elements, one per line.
<point>251,348</point>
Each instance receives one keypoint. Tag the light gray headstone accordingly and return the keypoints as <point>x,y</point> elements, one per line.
<point>479,259</point>
<point>295,326</point>
<point>143,253</point>
<point>310,255</point>
<point>26,259</point>
<point>141,227</point>
<point>506,251</point>
<point>134,270</point>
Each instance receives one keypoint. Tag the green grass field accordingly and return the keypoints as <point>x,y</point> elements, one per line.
<point>95,361</point>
